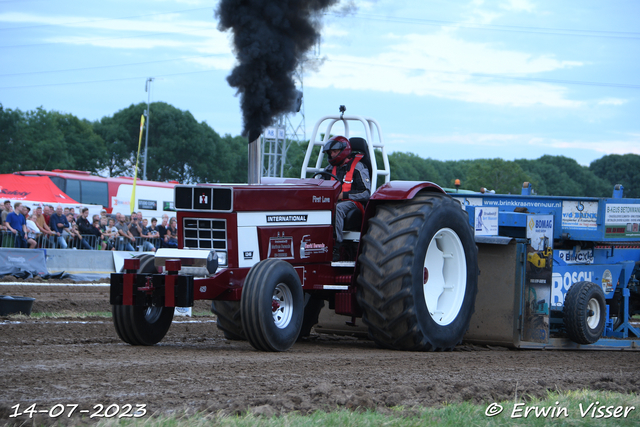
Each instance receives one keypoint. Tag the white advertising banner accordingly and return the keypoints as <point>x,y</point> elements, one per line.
<point>486,221</point>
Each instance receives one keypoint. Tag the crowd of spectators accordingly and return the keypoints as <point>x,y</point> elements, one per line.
<point>63,229</point>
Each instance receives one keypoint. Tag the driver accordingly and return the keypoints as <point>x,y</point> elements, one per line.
<point>356,186</point>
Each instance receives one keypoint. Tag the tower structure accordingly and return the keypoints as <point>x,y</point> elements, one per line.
<point>277,139</point>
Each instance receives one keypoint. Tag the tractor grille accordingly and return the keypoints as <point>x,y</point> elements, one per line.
<point>205,234</point>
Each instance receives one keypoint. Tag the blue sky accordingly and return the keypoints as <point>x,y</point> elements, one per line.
<point>446,80</point>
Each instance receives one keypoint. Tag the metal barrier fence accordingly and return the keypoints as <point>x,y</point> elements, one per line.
<point>7,239</point>
<point>87,242</point>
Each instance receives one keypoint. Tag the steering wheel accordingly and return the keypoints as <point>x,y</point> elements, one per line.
<point>327,173</point>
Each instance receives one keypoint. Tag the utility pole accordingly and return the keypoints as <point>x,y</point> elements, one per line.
<point>147,88</point>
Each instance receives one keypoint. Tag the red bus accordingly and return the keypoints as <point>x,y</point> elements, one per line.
<point>114,194</point>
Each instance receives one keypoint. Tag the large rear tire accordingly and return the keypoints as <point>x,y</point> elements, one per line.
<point>419,274</point>
<point>272,305</point>
<point>584,312</point>
<point>312,307</point>
<point>229,319</point>
<point>142,325</point>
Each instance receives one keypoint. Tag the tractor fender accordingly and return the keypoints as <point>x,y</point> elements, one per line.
<point>393,191</point>
<point>403,190</point>
<point>390,192</point>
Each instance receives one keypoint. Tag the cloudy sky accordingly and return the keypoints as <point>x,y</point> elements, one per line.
<point>446,80</point>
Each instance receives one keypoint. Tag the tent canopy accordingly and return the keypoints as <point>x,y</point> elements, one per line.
<point>32,189</point>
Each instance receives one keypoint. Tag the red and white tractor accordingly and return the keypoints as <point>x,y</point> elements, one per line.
<point>263,254</point>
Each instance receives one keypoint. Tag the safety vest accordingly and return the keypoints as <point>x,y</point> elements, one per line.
<point>348,178</point>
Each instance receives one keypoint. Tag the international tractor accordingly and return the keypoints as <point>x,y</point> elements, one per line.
<point>262,253</point>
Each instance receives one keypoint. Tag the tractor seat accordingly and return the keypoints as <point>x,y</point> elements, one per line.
<point>359,145</point>
<point>353,220</point>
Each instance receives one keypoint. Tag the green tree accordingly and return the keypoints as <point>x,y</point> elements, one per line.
<point>562,176</point>
<point>35,143</point>
<point>619,169</point>
<point>85,148</point>
<point>179,148</point>
<point>410,167</point>
<point>10,121</point>
<point>503,176</point>
<point>40,139</point>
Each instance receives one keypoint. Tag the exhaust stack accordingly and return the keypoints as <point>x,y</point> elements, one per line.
<point>255,160</point>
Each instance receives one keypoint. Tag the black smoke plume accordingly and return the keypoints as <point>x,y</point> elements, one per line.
<point>270,38</point>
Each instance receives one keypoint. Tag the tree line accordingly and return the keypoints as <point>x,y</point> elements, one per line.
<point>188,151</point>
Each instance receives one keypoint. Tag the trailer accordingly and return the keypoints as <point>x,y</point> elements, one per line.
<point>556,272</point>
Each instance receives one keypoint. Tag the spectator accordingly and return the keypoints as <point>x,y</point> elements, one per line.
<point>72,211</point>
<point>104,235</point>
<point>45,231</point>
<point>154,233</point>
<point>17,224</point>
<point>3,230</point>
<point>125,238</point>
<point>66,212</point>
<point>171,238</point>
<point>75,234</point>
<point>112,232</point>
<point>100,237</point>
<point>136,231</point>
<point>6,210</point>
<point>33,232</point>
<point>83,221</point>
<point>151,235</point>
<point>103,213</point>
<point>86,228</point>
<point>60,225</point>
<point>162,228</point>
<point>47,211</point>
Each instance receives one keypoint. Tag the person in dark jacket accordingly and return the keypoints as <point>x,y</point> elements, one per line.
<point>356,184</point>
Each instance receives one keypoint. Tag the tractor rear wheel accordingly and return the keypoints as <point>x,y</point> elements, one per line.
<point>142,325</point>
<point>229,319</point>
<point>584,312</point>
<point>272,305</point>
<point>312,307</point>
<point>419,274</point>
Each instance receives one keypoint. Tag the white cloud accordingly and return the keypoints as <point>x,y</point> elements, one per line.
<point>443,66</point>
<point>497,145</point>
<point>518,6</point>
<point>169,30</point>
<point>612,101</point>
<point>610,146</point>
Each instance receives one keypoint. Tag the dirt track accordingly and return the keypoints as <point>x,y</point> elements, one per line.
<point>82,361</point>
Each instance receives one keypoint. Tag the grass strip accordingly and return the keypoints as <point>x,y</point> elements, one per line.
<point>572,408</point>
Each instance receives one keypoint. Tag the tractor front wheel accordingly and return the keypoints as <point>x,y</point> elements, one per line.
<point>272,305</point>
<point>142,325</point>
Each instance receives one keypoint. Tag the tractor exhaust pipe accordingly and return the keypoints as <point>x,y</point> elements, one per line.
<point>255,160</point>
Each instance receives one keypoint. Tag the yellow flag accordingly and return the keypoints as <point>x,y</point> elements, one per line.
<point>132,204</point>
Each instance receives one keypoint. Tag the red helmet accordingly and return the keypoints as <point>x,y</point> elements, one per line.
<point>337,143</point>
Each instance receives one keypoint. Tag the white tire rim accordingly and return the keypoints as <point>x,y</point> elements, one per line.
<point>282,306</point>
<point>445,276</point>
<point>594,319</point>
